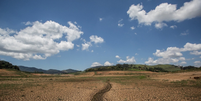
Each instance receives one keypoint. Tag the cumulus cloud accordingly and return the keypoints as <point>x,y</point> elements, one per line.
<point>38,41</point>
<point>120,24</point>
<point>128,60</point>
<point>96,39</point>
<point>174,54</point>
<point>86,46</point>
<point>107,63</point>
<point>162,61</point>
<point>6,31</point>
<point>160,25</point>
<point>117,56</point>
<point>195,53</point>
<point>197,63</point>
<point>93,39</point>
<point>173,26</point>
<point>96,64</point>
<point>132,28</point>
<point>170,52</point>
<point>165,12</point>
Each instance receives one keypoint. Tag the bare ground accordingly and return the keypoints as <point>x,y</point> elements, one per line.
<point>132,87</point>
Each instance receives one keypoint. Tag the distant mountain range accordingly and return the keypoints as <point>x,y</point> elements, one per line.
<point>50,71</point>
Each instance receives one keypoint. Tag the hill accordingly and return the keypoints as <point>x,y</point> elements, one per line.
<point>50,71</point>
<point>70,71</point>
<point>31,69</point>
<point>7,65</point>
<point>137,67</point>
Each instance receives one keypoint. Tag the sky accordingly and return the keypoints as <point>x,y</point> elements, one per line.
<point>79,34</point>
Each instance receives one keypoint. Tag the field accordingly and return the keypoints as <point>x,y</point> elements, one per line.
<point>100,86</point>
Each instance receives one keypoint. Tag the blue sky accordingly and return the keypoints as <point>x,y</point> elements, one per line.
<point>78,34</point>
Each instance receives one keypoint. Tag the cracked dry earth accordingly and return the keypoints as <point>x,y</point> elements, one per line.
<point>128,88</point>
<point>47,89</point>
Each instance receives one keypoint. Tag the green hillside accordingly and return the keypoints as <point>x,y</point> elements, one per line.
<point>137,67</point>
<point>7,65</point>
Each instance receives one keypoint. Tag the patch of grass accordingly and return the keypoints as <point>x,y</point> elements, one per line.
<point>132,69</point>
<point>83,79</point>
<point>9,86</point>
<point>121,79</point>
<point>190,83</point>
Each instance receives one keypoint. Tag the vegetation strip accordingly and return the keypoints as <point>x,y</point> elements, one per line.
<point>99,96</point>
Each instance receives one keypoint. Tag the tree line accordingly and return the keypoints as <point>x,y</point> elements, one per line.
<point>7,65</point>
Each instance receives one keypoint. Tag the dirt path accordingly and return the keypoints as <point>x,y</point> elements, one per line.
<point>99,96</point>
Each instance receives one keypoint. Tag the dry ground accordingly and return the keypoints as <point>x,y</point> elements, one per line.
<point>126,86</point>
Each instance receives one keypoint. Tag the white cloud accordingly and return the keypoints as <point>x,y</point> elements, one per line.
<point>160,25</point>
<point>92,51</point>
<point>174,54</point>
<point>6,31</point>
<point>128,60</point>
<point>136,53</point>
<point>185,33</point>
<point>86,46</point>
<point>96,64</point>
<point>182,58</point>
<point>161,61</point>
<point>191,47</point>
<point>132,28</point>
<point>93,38</point>
<point>38,41</point>
<point>196,62</point>
<point>135,33</point>
<point>120,24</point>
<point>170,52</point>
<point>196,53</point>
<point>173,26</point>
<point>28,23</point>
<point>100,19</point>
<point>182,63</point>
<point>117,56</point>
<point>107,63</point>
<point>96,39</point>
<point>165,12</point>
<point>63,45</point>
